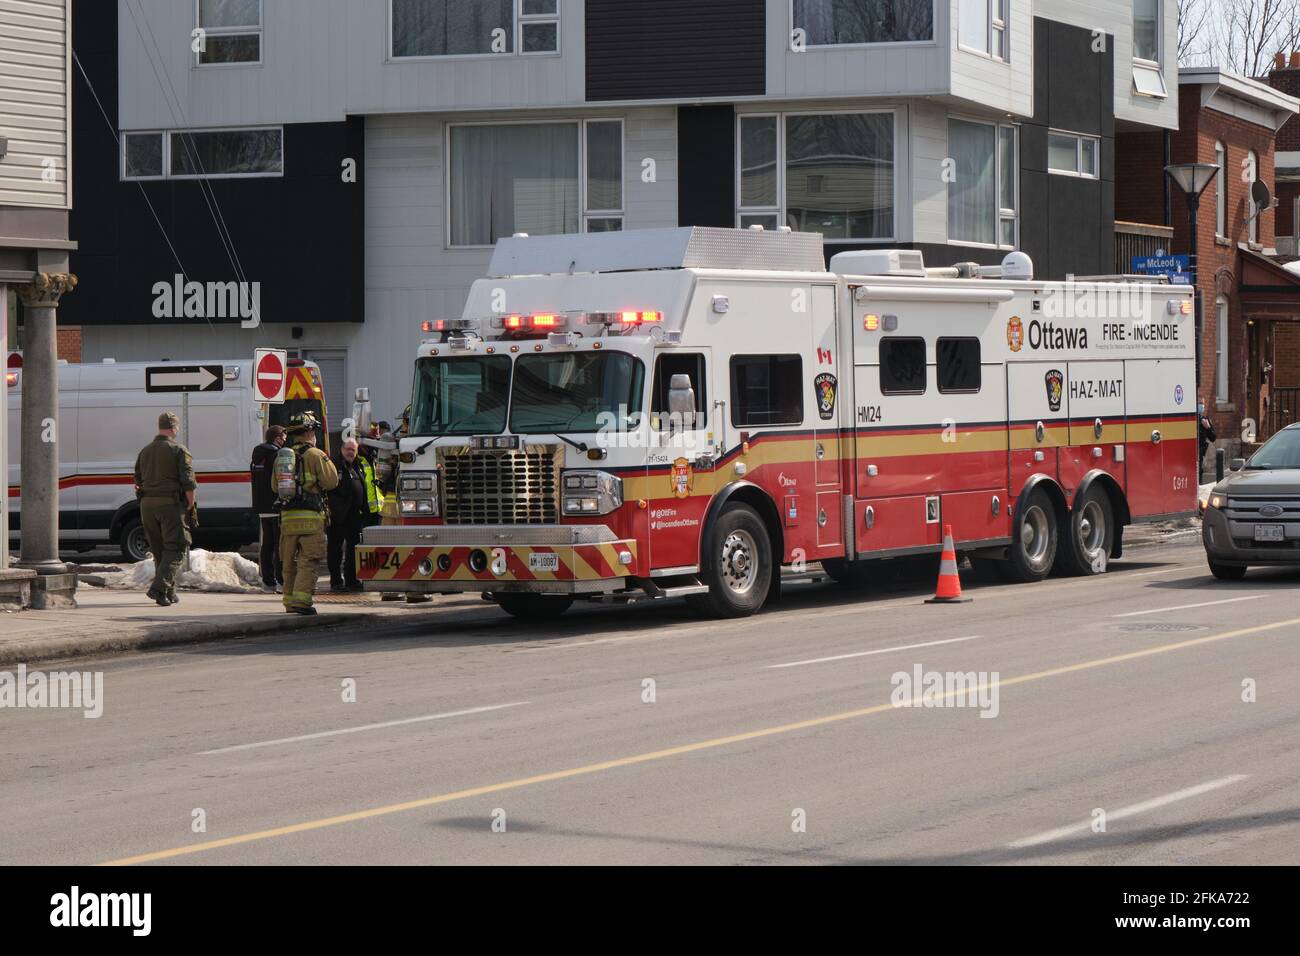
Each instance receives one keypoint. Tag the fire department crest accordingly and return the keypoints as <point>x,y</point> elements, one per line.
<point>824,387</point>
<point>1055,382</point>
<point>681,477</point>
<point>1015,333</point>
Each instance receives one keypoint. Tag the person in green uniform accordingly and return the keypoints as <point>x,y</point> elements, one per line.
<point>302,518</point>
<point>164,483</point>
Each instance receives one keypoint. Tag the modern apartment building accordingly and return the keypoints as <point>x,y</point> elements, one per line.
<point>358,158</point>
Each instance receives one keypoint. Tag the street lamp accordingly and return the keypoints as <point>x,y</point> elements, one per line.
<point>1192,178</point>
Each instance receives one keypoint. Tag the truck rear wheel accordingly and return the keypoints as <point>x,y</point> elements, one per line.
<point>739,561</point>
<point>537,607</point>
<point>1033,541</point>
<point>1091,533</point>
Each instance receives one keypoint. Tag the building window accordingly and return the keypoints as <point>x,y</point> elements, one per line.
<point>1221,350</point>
<point>232,31</point>
<point>1073,154</point>
<point>982,27</point>
<point>1220,195</point>
<point>531,178</point>
<point>201,154</point>
<point>902,366</point>
<point>142,156</point>
<point>432,28</point>
<point>836,176</point>
<point>1146,30</point>
<point>766,390</point>
<point>1252,172</point>
<point>851,22</point>
<point>604,182</point>
<point>958,364</point>
<point>982,193</point>
<point>226,152</point>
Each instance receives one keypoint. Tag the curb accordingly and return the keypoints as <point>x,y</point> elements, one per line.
<point>69,648</point>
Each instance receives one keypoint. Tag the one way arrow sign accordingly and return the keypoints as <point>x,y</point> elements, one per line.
<point>184,378</point>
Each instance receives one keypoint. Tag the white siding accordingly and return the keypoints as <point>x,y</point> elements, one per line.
<point>1116,18</point>
<point>323,60</point>
<point>929,191</point>
<point>877,70</point>
<point>35,102</point>
<point>1007,86</point>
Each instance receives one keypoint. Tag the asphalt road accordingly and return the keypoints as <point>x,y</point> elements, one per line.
<point>477,739</point>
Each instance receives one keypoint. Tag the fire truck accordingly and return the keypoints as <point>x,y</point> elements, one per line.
<point>686,412</point>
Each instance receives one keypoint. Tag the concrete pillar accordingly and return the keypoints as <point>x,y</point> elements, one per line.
<point>40,438</point>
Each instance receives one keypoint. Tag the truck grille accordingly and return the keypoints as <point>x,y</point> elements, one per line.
<point>501,487</point>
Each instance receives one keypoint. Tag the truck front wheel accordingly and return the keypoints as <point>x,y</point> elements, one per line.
<point>739,563</point>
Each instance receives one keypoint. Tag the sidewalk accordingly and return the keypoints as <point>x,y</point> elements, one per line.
<point>113,621</point>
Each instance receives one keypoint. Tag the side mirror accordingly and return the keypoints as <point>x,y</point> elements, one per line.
<point>1237,464</point>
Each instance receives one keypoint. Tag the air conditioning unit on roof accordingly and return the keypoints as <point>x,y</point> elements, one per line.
<point>879,262</point>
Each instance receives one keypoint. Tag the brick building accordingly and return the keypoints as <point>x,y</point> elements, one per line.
<point>1250,354</point>
<point>1285,77</point>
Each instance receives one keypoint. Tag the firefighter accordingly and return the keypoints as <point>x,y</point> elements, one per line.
<point>165,485</point>
<point>353,506</point>
<point>303,517</point>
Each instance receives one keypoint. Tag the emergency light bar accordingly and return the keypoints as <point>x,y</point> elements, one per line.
<point>547,321</point>
<point>449,325</point>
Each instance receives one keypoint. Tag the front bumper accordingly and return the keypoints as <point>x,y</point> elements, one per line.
<point>546,559</point>
<point>1228,541</point>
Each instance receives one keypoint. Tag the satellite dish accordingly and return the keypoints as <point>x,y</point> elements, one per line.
<point>1260,194</point>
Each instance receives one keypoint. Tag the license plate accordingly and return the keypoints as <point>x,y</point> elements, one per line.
<point>543,562</point>
<point>1270,532</point>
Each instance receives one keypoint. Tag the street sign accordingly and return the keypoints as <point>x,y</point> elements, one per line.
<point>1177,268</point>
<point>270,375</point>
<point>184,378</point>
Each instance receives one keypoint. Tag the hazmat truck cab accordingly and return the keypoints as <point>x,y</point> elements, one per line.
<point>686,411</point>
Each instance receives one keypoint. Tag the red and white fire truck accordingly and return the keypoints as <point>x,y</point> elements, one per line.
<point>686,411</point>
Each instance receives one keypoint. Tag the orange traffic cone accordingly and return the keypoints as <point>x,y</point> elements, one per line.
<point>949,588</point>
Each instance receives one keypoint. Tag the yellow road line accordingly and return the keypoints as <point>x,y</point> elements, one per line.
<point>653,755</point>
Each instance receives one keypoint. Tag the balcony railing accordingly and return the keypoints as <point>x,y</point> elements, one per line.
<point>1139,239</point>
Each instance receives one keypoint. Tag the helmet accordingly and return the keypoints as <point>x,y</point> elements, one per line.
<point>302,423</point>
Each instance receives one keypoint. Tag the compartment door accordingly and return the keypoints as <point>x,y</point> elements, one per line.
<point>1095,394</point>
<point>1038,419</point>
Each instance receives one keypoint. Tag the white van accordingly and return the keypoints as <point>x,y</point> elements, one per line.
<point>106,417</point>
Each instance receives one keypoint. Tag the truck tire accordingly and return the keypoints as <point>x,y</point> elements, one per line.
<point>1033,540</point>
<point>739,562</point>
<point>1228,572</point>
<point>134,542</point>
<point>536,607</point>
<point>848,573</point>
<point>1091,534</point>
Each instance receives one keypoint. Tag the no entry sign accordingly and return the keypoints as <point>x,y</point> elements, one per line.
<point>270,374</point>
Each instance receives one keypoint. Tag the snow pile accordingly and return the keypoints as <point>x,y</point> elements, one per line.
<point>215,571</point>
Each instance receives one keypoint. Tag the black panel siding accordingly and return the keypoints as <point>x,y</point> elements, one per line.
<point>706,166</point>
<point>1067,224</point>
<point>655,49</point>
<point>300,235</point>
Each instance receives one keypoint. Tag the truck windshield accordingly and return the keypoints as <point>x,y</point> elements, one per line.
<point>1280,451</point>
<point>461,396</point>
<point>577,392</point>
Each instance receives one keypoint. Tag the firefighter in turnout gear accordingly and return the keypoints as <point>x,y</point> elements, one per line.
<point>303,513</point>
<point>165,485</point>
